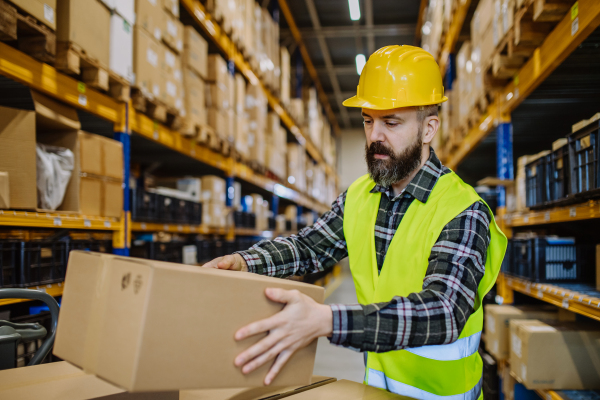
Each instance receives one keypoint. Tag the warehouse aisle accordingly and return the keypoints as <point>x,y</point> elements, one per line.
<point>336,361</point>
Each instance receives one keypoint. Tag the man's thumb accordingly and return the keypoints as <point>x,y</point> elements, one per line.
<point>279,295</point>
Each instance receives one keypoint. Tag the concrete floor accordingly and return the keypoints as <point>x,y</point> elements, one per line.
<point>334,361</point>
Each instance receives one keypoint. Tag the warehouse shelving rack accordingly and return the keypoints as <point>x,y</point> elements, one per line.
<point>22,68</point>
<point>570,32</point>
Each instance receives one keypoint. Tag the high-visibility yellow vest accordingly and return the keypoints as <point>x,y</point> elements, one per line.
<point>441,372</point>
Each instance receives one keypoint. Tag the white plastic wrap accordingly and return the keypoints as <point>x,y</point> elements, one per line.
<point>54,170</point>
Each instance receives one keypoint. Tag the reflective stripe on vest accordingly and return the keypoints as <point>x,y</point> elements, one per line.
<point>429,372</point>
<point>379,380</point>
<point>453,351</point>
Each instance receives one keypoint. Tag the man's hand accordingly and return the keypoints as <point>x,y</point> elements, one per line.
<point>300,322</point>
<point>232,261</point>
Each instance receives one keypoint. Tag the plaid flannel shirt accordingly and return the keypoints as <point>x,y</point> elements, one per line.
<point>437,314</point>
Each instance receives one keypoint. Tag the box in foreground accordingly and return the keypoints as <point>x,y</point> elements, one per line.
<point>152,326</point>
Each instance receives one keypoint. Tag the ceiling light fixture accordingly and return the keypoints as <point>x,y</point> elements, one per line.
<point>360,63</point>
<point>354,10</point>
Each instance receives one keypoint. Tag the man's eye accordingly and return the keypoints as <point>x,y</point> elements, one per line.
<point>366,122</point>
<point>391,124</point>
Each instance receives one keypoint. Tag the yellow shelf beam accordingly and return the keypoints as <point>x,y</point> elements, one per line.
<point>32,219</point>
<point>54,289</point>
<point>548,394</point>
<point>42,77</point>
<point>574,28</point>
<point>573,301</point>
<point>456,25</point>
<point>220,38</point>
<point>489,120</point>
<point>575,212</point>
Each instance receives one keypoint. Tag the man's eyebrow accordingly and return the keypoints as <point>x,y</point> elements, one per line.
<point>364,114</point>
<point>394,116</point>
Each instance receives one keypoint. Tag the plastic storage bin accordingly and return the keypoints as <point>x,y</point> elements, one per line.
<point>42,263</point>
<point>546,259</point>
<point>535,182</point>
<point>9,263</point>
<point>558,175</point>
<point>584,161</point>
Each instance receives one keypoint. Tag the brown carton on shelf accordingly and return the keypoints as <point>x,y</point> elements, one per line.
<point>147,52</point>
<point>112,199</point>
<point>112,158</point>
<point>118,322</point>
<point>90,196</point>
<point>172,32</point>
<point>91,153</point>
<point>217,96</point>
<point>217,119</point>
<point>42,10</point>
<point>171,78</point>
<point>555,356</point>
<point>85,23</point>
<point>194,100</point>
<point>195,51</point>
<point>214,214</point>
<point>149,17</point>
<point>497,318</point>
<point>217,69</point>
<point>171,6</point>
<point>213,189</point>
<point>4,191</point>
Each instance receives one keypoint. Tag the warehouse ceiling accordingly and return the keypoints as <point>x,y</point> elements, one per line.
<point>333,47</point>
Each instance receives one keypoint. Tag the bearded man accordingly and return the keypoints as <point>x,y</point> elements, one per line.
<point>424,250</point>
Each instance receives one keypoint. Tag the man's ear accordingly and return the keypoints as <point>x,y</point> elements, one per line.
<point>430,128</point>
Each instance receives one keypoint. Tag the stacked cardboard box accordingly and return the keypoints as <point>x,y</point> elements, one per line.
<point>276,146</point>
<point>195,70</point>
<point>43,11</point>
<point>95,185</point>
<point>285,89</point>
<point>122,21</point>
<point>296,168</point>
<point>260,208</point>
<point>240,118</point>
<point>214,212</point>
<point>555,355</point>
<point>157,45</point>
<point>256,107</point>
<point>291,215</point>
<point>464,83</point>
<point>219,97</point>
<point>315,119</point>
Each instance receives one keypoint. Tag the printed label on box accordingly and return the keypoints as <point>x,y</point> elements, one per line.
<point>171,89</point>
<point>156,90</point>
<point>152,57</point>
<point>170,59</point>
<point>515,342</point>
<point>172,28</point>
<point>49,13</point>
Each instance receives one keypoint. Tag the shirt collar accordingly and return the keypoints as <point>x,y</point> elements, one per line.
<point>422,184</point>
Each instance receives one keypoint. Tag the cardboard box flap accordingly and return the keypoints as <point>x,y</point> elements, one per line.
<point>52,115</point>
<point>347,390</point>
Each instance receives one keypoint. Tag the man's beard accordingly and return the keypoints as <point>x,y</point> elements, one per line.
<point>397,166</point>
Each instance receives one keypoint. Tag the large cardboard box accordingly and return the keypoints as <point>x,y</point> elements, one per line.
<point>172,32</point>
<point>42,10</point>
<point>195,51</point>
<point>347,390</point>
<point>64,381</point>
<point>149,17</point>
<point>171,6</point>
<point>171,92</point>
<point>121,47</point>
<point>217,96</point>
<point>112,158</point>
<point>100,155</point>
<point>217,69</point>
<point>194,100</point>
<point>240,94</point>
<point>52,123</point>
<point>117,321</point>
<point>497,318</point>
<point>217,120</point>
<point>555,356</point>
<point>85,23</point>
<point>147,52</point>
<point>213,189</point>
<point>214,214</point>
<point>4,190</point>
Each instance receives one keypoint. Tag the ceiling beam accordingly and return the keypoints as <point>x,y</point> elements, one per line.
<point>370,26</point>
<point>349,31</point>
<point>289,18</point>
<point>335,84</point>
<point>419,23</point>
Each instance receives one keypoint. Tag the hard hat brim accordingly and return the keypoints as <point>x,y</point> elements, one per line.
<point>384,104</point>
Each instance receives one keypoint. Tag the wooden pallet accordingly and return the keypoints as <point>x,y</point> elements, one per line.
<point>209,138</point>
<point>73,60</point>
<point>255,166</point>
<point>155,109</point>
<point>26,33</point>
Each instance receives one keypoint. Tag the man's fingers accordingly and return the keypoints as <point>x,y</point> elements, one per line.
<point>283,357</point>
<point>257,327</point>
<point>227,262</point>
<point>213,263</point>
<point>256,350</point>
<point>281,295</point>
<point>264,357</point>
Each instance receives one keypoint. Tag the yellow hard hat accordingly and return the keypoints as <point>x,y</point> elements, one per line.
<point>398,76</point>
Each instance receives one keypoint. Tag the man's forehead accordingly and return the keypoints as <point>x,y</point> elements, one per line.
<point>404,112</point>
